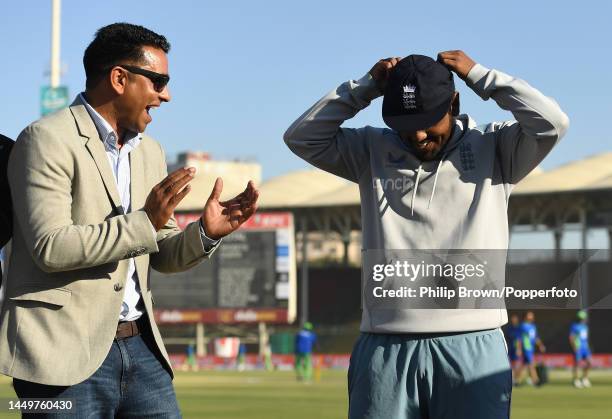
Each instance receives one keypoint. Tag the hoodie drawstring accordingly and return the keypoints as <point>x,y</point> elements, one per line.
<point>433,190</point>
<point>416,184</point>
<point>414,190</point>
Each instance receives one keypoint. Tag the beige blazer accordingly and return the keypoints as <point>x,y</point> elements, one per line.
<point>71,243</point>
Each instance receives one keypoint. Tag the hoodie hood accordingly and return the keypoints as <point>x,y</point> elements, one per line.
<point>462,123</point>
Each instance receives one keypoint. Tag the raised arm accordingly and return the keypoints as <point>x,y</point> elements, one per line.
<point>539,124</point>
<point>316,136</point>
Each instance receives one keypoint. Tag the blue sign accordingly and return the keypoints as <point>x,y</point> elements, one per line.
<point>53,99</point>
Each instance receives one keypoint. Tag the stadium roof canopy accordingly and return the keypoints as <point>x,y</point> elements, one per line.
<point>307,188</point>
<point>589,174</point>
<point>577,193</point>
<point>316,188</point>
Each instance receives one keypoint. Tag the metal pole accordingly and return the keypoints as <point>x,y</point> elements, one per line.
<point>55,42</point>
<point>346,238</point>
<point>200,340</point>
<point>584,271</point>
<point>304,279</point>
<point>264,338</point>
<point>584,230</point>
<point>346,242</point>
<point>558,233</point>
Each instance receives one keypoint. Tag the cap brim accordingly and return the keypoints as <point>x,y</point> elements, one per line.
<point>419,121</point>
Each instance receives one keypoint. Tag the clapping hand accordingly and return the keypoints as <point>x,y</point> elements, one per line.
<point>221,218</point>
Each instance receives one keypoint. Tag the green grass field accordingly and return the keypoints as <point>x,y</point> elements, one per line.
<point>271,395</point>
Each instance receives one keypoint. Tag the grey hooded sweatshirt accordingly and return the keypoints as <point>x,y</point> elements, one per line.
<point>456,202</point>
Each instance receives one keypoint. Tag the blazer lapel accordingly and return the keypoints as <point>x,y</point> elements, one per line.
<point>94,145</point>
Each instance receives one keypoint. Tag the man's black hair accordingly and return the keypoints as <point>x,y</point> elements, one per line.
<point>118,43</point>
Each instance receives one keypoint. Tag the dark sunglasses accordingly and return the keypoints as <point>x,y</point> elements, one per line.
<point>159,80</point>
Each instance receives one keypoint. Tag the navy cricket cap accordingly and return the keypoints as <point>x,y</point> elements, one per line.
<point>419,92</point>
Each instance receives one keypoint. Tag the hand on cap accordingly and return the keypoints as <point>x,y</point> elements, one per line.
<point>381,70</point>
<point>457,61</point>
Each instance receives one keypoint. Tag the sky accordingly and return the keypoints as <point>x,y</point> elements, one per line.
<point>243,71</point>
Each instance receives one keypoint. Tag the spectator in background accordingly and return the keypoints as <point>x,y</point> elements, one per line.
<point>579,342</point>
<point>192,361</point>
<point>530,340</point>
<point>515,352</point>
<point>304,341</point>
<point>241,361</point>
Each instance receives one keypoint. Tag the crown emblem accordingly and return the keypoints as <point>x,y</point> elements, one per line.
<point>409,88</point>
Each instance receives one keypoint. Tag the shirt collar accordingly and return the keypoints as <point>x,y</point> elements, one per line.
<point>107,134</point>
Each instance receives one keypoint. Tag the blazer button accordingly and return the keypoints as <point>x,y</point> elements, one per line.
<point>118,287</point>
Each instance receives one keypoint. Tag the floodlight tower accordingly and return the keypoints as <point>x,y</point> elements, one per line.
<point>55,42</point>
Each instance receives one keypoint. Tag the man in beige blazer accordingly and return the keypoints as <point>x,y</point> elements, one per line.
<point>94,212</point>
